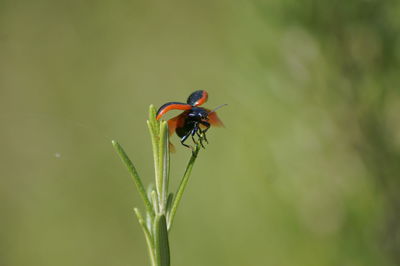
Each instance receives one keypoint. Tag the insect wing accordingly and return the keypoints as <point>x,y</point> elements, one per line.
<point>172,106</point>
<point>214,120</point>
<point>176,122</point>
<point>197,98</point>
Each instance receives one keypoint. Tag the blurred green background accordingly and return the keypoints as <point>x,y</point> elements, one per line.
<point>306,171</point>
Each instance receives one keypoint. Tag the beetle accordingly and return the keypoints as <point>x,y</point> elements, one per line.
<point>194,121</point>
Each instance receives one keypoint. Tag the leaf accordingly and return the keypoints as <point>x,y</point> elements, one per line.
<point>135,176</point>
<point>161,240</point>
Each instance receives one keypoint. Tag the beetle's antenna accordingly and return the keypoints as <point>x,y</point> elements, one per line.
<point>215,109</point>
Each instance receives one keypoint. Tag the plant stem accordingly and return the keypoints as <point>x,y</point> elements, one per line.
<point>182,186</point>
<point>160,204</point>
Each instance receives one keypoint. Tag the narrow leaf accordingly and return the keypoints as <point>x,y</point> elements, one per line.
<point>154,199</point>
<point>169,201</point>
<point>163,167</point>
<point>169,205</point>
<point>135,177</point>
<point>154,142</point>
<point>161,241</point>
<point>147,234</point>
<point>153,121</point>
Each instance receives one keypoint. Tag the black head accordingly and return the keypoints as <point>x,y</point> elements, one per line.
<point>198,114</point>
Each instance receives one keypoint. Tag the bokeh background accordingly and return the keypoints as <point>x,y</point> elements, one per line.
<point>306,171</point>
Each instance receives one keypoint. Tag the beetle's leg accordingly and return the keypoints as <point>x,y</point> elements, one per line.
<point>203,132</point>
<point>193,132</point>
<point>206,124</point>
<point>200,135</point>
<point>184,138</point>
<point>197,131</point>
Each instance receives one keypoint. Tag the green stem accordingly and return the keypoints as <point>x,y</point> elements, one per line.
<point>182,186</point>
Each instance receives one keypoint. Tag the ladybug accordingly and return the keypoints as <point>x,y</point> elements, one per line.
<point>194,121</point>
